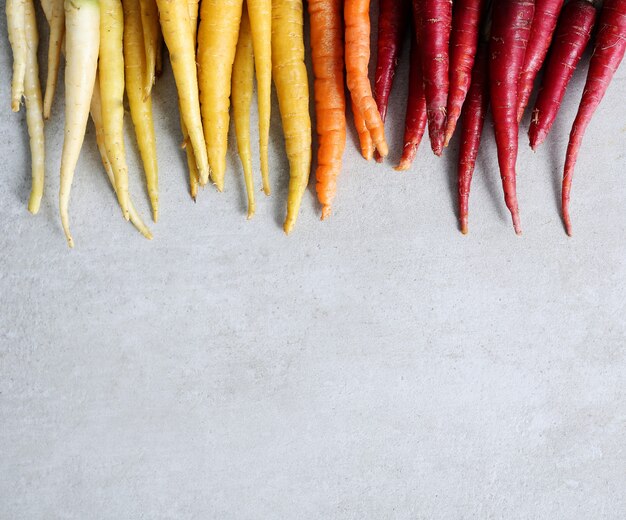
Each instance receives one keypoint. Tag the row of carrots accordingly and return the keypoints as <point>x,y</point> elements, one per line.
<point>466,56</point>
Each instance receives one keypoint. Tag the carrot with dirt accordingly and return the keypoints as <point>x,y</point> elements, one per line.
<point>82,41</point>
<point>510,31</point>
<point>16,16</point>
<point>393,16</point>
<point>243,84</point>
<point>260,13</point>
<point>330,102</point>
<point>570,40</point>
<point>466,18</point>
<point>415,120</point>
<point>140,105</point>
<point>150,27</point>
<point>433,28</point>
<point>357,42</point>
<point>57,33</point>
<point>472,123</point>
<point>608,52</point>
<point>292,88</point>
<point>178,36</point>
<point>541,32</point>
<point>217,42</point>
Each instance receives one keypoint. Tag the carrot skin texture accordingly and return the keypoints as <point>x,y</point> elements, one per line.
<point>292,88</point>
<point>357,41</point>
<point>15,11</point>
<point>570,40</point>
<point>507,46</point>
<point>541,32</point>
<point>608,53</point>
<point>463,44</point>
<point>365,138</point>
<point>330,103</point>
<point>416,116</point>
<point>57,32</point>
<point>433,26</point>
<point>150,28</point>
<point>472,123</point>
<point>194,179</point>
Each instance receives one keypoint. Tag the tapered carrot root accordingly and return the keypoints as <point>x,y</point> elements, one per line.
<point>82,36</point>
<point>111,67</point>
<point>217,41</point>
<point>57,32</point>
<point>243,83</point>
<point>544,23</point>
<point>365,138</point>
<point>463,43</point>
<point>472,123</point>
<point>608,53</point>
<point>509,34</point>
<point>570,40</point>
<point>175,24</point>
<point>357,40</point>
<point>416,116</point>
<point>330,102</point>
<point>15,10</point>
<point>292,88</point>
<point>96,116</point>
<point>194,180</point>
<point>34,110</point>
<point>150,26</point>
<point>260,12</point>
<point>140,106</point>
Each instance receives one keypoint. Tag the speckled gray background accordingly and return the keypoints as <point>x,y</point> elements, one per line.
<point>379,365</point>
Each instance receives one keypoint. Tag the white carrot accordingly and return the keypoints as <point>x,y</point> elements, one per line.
<point>57,31</point>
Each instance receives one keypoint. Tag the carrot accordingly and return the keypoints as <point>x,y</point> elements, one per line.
<point>140,106</point>
<point>150,26</point>
<point>357,20</point>
<point>472,122</point>
<point>365,139</point>
<point>392,24</point>
<point>292,88</point>
<point>96,116</point>
<point>243,84</point>
<point>260,12</point>
<point>193,6</point>
<point>608,53</point>
<point>82,37</point>
<point>433,28</point>
<point>217,42</point>
<point>544,23</point>
<point>463,44</point>
<point>330,101</point>
<point>570,39</point>
<point>158,65</point>
<point>509,34</point>
<point>415,123</point>
<point>175,24</point>
<point>15,10</point>
<point>57,32</point>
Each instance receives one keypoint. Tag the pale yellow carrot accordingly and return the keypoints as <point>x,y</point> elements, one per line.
<point>15,10</point>
<point>150,26</point>
<point>57,32</point>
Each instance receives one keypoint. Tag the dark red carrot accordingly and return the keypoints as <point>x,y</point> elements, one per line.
<point>463,44</point>
<point>472,122</point>
<point>544,23</point>
<point>607,55</point>
<point>509,34</point>
<point>415,123</point>
<point>570,39</point>
<point>433,27</point>
<point>393,17</point>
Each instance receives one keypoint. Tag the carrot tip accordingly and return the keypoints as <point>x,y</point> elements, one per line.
<point>403,165</point>
<point>377,157</point>
<point>326,211</point>
<point>517,225</point>
<point>464,227</point>
<point>155,215</point>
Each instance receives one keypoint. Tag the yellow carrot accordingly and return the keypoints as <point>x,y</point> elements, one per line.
<point>243,82</point>
<point>34,111</point>
<point>96,116</point>
<point>140,106</point>
<point>150,26</point>
<point>175,23</point>
<point>292,87</point>
<point>57,31</point>
<point>260,12</point>
<point>158,66</point>
<point>15,10</point>
<point>191,160</point>
<point>217,41</point>
<point>111,69</point>
<point>82,37</point>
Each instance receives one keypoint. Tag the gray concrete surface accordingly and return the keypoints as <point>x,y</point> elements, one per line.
<point>379,365</point>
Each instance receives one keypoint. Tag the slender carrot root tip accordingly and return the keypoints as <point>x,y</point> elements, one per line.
<point>326,211</point>
<point>288,226</point>
<point>567,222</point>
<point>464,226</point>
<point>267,191</point>
<point>517,225</point>
<point>251,212</point>
<point>377,157</point>
<point>155,215</point>
<point>34,203</point>
<point>219,185</point>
